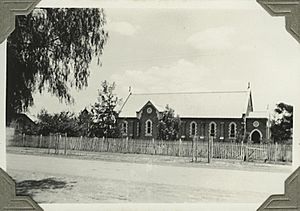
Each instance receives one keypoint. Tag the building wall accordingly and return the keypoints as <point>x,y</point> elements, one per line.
<point>131,125</point>
<point>222,128</point>
<point>137,126</point>
<point>262,127</point>
<point>153,117</point>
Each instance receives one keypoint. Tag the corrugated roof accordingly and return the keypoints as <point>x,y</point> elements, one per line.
<point>31,117</point>
<point>230,104</point>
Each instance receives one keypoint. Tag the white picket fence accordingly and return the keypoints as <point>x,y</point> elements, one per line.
<point>219,150</point>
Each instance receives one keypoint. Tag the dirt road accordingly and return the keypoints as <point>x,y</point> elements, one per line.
<point>50,179</point>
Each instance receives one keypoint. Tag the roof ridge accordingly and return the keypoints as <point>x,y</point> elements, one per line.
<point>198,92</point>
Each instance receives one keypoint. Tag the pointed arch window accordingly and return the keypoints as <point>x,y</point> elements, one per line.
<point>193,128</point>
<point>148,127</point>
<point>124,127</point>
<point>232,130</point>
<point>212,129</point>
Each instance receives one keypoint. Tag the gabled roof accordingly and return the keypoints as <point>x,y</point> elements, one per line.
<point>231,104</point>
<point>24,116</point>
<point>159,108</point>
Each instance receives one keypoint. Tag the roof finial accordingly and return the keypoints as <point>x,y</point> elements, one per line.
<point>129,89</point>
<point>249,85</point>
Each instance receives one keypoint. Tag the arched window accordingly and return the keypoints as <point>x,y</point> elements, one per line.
<point>125,127</point>
<point>212,129</point>
<point>232,130</point>
<point>148,128</point>
<point>193,128</point>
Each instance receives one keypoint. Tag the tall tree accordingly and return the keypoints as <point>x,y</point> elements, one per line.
<point>51,49</point>
<point>282,123</point>
<point>169,125</point>
<point>103,111</point>
<point>66,122</point>
<point>85,121</point>
<point>45,122</point>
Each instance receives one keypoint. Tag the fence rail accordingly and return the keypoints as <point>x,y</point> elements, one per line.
<point>221,150</point>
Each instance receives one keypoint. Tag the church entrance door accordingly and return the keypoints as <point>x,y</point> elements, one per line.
<point>256,137</point>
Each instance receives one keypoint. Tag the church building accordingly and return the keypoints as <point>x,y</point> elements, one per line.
<point>228,116</point>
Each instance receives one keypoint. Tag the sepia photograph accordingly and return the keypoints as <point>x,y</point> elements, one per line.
<point>150,105</point>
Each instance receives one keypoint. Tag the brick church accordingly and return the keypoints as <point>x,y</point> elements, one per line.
<point>226,116</point>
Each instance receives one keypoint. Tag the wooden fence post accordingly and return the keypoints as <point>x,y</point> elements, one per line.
<point>107,141</point>
<point>114,145</point>
<point>58,141</point>
<point>102,144</point>
<point>97,144</point>
<point>123,145</point>
<point>80,143</point>
<point>242,151</point>
<point>232,149</point>
<point>196,148</point>
<point>275,153</point>
<point>55,141</point>
<point>65,151</point>
<point>153,147</point>
<point>209,149</point>
<point>40,141</point>
<point>246,152</point>
<point>193,149</point>
<point>179,147</point>
<point>49,143</point>
<point>23,139</point>
<point>212,147</point>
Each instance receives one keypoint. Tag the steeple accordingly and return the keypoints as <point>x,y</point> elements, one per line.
<point>250,100</point>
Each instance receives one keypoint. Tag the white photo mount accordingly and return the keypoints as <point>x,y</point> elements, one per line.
<point>290,9</point>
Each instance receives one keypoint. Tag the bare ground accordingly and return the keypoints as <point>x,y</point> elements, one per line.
<point>114,178</point>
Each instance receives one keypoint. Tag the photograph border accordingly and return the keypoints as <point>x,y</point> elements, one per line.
<point>290,9</point>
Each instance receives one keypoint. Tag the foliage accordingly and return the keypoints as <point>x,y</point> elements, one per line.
<point>103,111</point>
<point>169,125</point>
<point>85,121</point>
<point>45,122</point>
<point>63,122</point>
<point>100,121</point>
<point>51,49</point>
<point>282,123</point>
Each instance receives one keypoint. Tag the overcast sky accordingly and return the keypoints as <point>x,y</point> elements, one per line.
<point>213,48</point>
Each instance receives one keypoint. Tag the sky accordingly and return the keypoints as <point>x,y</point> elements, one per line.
<point>192,49</point>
